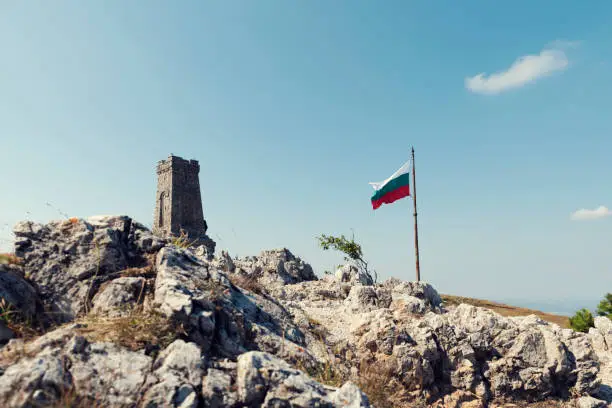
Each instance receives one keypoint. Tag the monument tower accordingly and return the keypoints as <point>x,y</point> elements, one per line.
<point>178,203</point>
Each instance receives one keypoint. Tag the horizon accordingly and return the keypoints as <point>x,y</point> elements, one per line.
<point>291,109</point>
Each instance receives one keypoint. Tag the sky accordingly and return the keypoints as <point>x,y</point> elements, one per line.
<point>292,108</point>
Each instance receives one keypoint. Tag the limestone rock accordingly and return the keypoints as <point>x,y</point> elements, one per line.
<point>462,399</point>
<point>66,259</point>
<point>239,341</point>
<point>419,290</point>
<point>225,262</point>
<point>266,381</point>
<point>16,293</point>
<point>110,373</point>
<point>69,368</point>
<point>185,292</point>
<point>590,402</point>
<point>218,390</point>
<point>144,240</point>
<point>18,298</point>
<point>353,274</point>
<point>600,338</point>
<point>177,374</point>
<point>119,297</point>
<point>34,381</point>
<point>204,247</point>
<point>276,267</point>
<point>362,299</point>
<point>215,312</point>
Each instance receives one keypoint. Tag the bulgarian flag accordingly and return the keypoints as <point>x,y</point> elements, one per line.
<point>392,189</point>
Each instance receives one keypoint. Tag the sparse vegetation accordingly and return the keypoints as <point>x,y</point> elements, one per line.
<point>24,327</point>
<point>247,282</point>
<point>351,249</point>
<point>605,306</point>
<point>70,398</point>
<point>325,373</point>
<point>181,241</point>
<point>89,293</point>
<point>10,259</point>
<point>582,321</point>
<point>134,331</point>
<point>147,271</point>
<point>378,381</point>
<point>317,329</point>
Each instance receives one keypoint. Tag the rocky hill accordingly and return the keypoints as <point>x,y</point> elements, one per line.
<point>99,312</point>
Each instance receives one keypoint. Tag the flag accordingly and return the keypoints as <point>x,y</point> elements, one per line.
<point>392,189</point>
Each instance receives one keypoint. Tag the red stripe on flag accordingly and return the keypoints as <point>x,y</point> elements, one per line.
<point>391,196</point>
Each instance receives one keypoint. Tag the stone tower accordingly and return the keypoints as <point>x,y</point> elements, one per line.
<point>178,204</point>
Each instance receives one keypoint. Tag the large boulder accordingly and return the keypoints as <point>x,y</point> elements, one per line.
<point>267,381</point>
<point>219,316</point>
<point>19,301</point>
<point>64,368</point>
<point>353,274</point>
<point>177,374</point>
<point>600,338</point>
<point>475,350</point>
<point>119,296</point>
<point>275,267</point>
<point>68,260</point>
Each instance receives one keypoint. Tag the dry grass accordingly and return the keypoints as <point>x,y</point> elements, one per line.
<point>134,331</point>
<point>317,329</point>
<point>147,271</point>
<point>247,282</point>
<point>10,259</point>
<point>324,373</point>
<point>181,241</point>
<point>506,310</point>
<point>25,327</point>
<point>378,381</point>
<point>70,398</point>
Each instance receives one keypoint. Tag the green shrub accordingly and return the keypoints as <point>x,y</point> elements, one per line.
<point>605,306</point>
<point>582,320</point>
<point>350,248</point>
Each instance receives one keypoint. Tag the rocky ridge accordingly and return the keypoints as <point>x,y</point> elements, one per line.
<point>119,317</point>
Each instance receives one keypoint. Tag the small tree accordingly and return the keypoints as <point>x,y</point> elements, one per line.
<point>605,306</point>
<point>350,248</point>
<point>582,320</point>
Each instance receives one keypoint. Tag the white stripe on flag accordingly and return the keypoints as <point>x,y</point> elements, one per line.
<point>402,170</point>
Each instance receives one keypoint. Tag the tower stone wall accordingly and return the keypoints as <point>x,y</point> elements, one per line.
<point>178,201</point>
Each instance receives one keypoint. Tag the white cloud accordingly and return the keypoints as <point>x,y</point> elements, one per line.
<point>525,69</point>
<point>584,214</point>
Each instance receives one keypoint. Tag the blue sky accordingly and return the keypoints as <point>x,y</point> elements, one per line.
<point>293,107</point>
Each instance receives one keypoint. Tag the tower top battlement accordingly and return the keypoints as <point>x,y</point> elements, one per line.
<point>178,164</point>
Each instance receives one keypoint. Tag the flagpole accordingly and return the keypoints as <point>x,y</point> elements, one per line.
<point>416,226</point>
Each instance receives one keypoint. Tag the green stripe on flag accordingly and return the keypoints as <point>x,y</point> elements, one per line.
<point>403,180</point>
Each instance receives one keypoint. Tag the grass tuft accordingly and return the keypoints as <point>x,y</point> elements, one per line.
<point>325,373</point>
<point>378,381</point>
<point>24,327</point>
<point>10,259</point>
<point>247,282</point>
<point>135,331</point>
<point>181,241</point>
